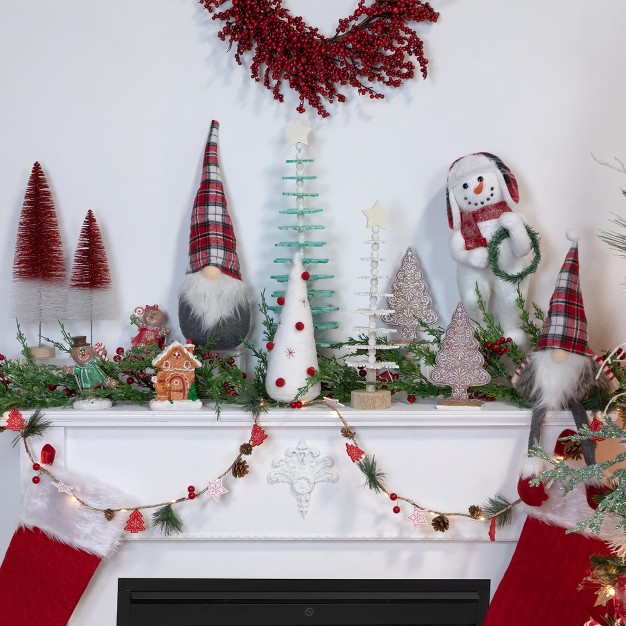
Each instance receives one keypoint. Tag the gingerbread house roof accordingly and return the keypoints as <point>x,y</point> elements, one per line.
<point>168,349</point>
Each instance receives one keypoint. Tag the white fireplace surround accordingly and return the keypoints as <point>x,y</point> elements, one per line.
<point>443,460</point>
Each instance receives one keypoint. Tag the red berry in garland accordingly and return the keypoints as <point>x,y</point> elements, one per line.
<point>120,351</point>
<point>393,496</point>
<point>411,399</point>
<point>36,467</point>
<point>36,480</point>
<point>396,509</point>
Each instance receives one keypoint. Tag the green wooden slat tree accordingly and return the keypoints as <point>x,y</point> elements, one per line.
<point>303,241</point>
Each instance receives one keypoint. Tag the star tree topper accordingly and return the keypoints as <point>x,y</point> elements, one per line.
<point>377,215</point>
<point>298,133</point>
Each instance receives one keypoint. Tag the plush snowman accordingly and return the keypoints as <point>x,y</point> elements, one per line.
<point>481,194</point>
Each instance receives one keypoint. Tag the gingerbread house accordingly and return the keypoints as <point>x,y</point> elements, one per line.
<point>176,371</point>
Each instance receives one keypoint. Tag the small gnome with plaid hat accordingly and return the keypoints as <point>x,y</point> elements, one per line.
<point>561,373</point>
<point>213,305</point>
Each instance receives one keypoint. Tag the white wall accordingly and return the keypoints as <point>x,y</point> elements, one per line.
<point>115,98</point>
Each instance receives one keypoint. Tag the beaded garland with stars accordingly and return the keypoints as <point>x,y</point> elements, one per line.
<point>374,45</point>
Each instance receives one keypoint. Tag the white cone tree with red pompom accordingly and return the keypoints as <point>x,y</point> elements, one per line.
<point>292,357</point>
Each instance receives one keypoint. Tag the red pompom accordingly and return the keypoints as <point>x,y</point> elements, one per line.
<point>305,276</point>
<point>280,382</point>
<point>310,371</point>
<point>299,326</point>
<point>411,399</point>
<point>270,345</point>
<point>280,301</point>
<point>532,496</point>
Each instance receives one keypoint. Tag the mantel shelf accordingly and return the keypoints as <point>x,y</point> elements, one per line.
<point>401,415</point>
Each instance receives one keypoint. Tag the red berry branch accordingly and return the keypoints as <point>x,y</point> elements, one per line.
<point>373,45</point>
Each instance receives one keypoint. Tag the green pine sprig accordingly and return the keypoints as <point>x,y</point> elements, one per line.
<point>500,508</point>
<point>36,426</point>
<point>373,476</point>
<point>166,520</point>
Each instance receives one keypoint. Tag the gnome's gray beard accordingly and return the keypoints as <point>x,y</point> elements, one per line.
<point>551,385</point>
<point>213,299</point>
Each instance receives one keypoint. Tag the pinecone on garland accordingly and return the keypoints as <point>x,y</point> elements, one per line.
<point>240,468</point>
<point>441,523</point>
<point>347,433</point>
<point>573,450</point>
<point>109,514</point>
<point>245,448</point>
<point>475,511</point>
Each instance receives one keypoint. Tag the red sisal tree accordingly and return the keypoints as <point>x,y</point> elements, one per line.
<point>90,281</point>
<point>39,273</point>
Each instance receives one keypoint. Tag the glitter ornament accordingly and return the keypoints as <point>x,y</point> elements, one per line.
<point>15,421</point>
<point>459,362</point>
<point>135,522</point>
<point>257,436</point>
<point>409,300</point>
<point>354,452</point>
<point>216,489</point>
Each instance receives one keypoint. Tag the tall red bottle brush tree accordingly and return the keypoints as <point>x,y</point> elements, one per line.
<point>90,295</point>
<point>39,274</point>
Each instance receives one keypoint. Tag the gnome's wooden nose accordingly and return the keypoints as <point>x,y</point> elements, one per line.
<point>479,188</point>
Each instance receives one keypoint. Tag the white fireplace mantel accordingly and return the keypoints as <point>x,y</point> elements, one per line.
<point>446,460</point>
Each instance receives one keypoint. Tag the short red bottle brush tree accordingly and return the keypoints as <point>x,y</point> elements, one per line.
<point>90,296</point>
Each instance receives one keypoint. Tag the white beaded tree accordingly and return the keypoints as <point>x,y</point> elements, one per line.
<point>298,137</point>
<point>372,398</point>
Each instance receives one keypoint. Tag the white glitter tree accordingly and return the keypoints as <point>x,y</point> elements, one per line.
<point>292,356</point>
<point>409,300</point>
<point>459,362</point>
<point>373,398</point>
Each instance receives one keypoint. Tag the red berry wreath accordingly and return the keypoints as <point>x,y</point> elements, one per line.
<point>373,45</point>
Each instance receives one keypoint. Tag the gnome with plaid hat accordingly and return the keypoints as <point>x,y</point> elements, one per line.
<point>561,373</point>
<point>213,305</point>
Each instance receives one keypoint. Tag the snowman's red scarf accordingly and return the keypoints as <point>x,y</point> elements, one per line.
<point>469,223</point>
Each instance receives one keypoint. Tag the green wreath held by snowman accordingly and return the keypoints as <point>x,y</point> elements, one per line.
<point>493,250</point>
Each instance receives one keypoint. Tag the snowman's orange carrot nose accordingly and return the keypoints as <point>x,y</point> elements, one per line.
<point>478,189</point>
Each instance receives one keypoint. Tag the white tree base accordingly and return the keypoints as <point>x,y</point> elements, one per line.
<point>92,404</point>
<point>42,352</point>
<point>175,405</point>
<point>371,400</point>
<point>451,405</point>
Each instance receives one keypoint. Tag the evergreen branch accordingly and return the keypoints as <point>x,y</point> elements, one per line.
<point>35,427</point>
<point>373,476</point>
<point>63,347</point>
<point>166,520</point>
<point>266,319</point>
<point>22,341</point>
<point>500,508</point>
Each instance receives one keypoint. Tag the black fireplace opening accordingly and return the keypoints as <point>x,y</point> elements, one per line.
<point>316,602</point>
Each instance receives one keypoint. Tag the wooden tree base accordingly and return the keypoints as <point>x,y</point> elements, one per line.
<point>459,404</point>
<point>42,352</point>
<point>371,400</point>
